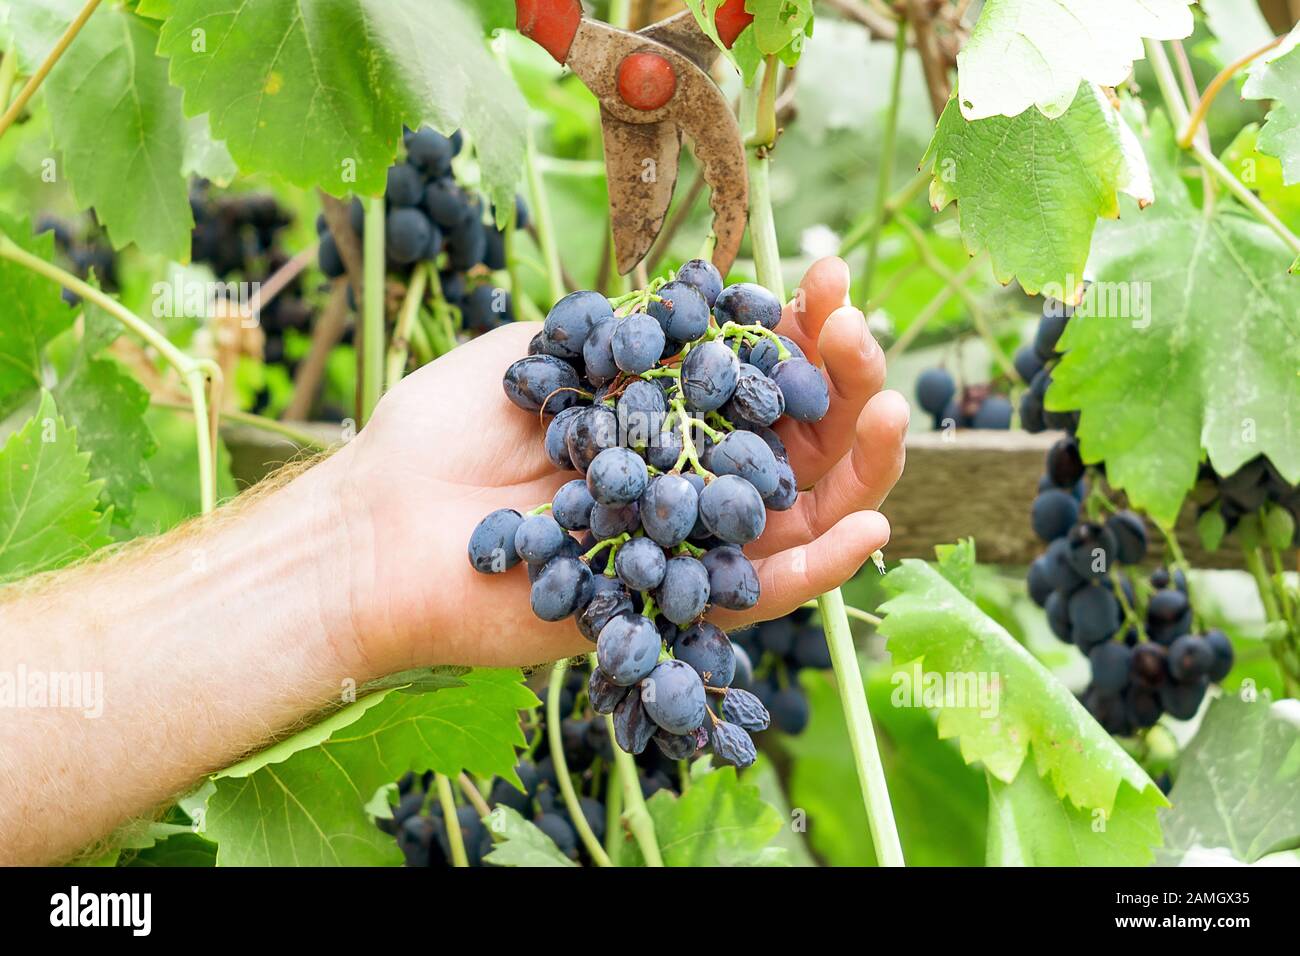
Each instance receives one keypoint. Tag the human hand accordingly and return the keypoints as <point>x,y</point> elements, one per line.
<point>446,447</point>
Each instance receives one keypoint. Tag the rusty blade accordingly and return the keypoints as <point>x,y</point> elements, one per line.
<point>697,109</point>
<point>641,169</point>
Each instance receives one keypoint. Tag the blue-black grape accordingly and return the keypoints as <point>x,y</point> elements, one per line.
<point>405,186</point>
<point>444,202</point>
<point>746,455</point>
<point>608,521</point>
<point>1169,615</point>
<point>539,538</point>
<point>669,509</point>
<point>756,399</point>
<point>708,377</point>
<point>1130,535</point>
<point>560,831</point>
<point>1110,666</point>
<point>563,586</point>
<point>430,151</point>
<point>1221,647</point>
<point>681,311</point>
<point>994,412</point>
<point>628,648</point>
<point>673,695</point>
<point>1057,607</point>
<point>1064,463</point>
<point>1182,701</point>
<point>1050,327</point>
<point>598,352</point>
<point>1190,658</point>
<point>935,388</point>
<point>811,649</point>
<point>789,710</point>
<point>1149,665</point>
<point>787,490</point>
<point>571,506</point>
<point>807,396</point>
<point>617,476</point>
<point>747,304</point>
<point>492,544</point>
<point>665,449</point>
<point>641,410</point>
<point>603,607</point>
<point>705,647</point>
<point>744,676</point>
<point>637,343</point>
<point>1027,362</point>
<point>593,430</point>
<point>733,582</point>
<point>745,710</point>
<point>640,564</point>
<point>732,509</point>
<point>704,276</point>
<point>675,746</point>
<point>1040,580</point>
<point>684,591</point>
<point>732,745</point>
<point>1092,550</point>
<point>535,379</point>
<point>603,693</point>
<point>1094,616</point>
<point>1054,513</point>
<point>633,727</point>
<point>570,321</point>
<point>764,355</point>
<point>408,235</point>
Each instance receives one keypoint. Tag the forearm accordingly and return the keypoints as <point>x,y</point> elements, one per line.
<point>204,644</point>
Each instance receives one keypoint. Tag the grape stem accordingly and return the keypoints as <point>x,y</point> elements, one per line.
<point>835,621</point>
<point>635,814</point>
<point>372,329</point>
<point>615,542</point>
<point>1217,84</point>
<point>451,821</point>
<point>472,794</point>
<point>553,719</point>
<point>399,347</point>
<point>745,331</point>
<point>34,82</point>
<point>689,454</point>
<point>854,612</point>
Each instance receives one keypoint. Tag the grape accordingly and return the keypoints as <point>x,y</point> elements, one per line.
<point>756,399</point>
<point>746,455</point>
<point>570,321</point>
<point>1049,331</point>
<point>609,521</point>
<point>571,506</point>
<point>807,396</point>
<point>1109,711</point>
<point>675,746</point>
<point>733,582</point>
<point>1190,658</point>
<point>745,710</point>
<point>603,607</point>
<point>744,676</point>
<point>633,727</point>
<point>1110,666</point>
<point>640,564</point>
<point>628,648</point>
<point>1092,550</point>
<point>331,262</point>
<point>787,491</point>
<point>1130,535</point>
<point>492,545</point>
<point>486,308</point>
<point>542,378</point>
<point>539,538</point>
<point>1054,513</point>
<point>617,476</point>
<point>789,709</point>
<point>811,649</point>
<point>669,509</point>
<point>430,151</point>
<point>777,636</point>
<point>747,304</point>
<point>764,355</point>
<point>732,509</point>
<point>603,692</point>
<point>560,832</point>
<point>1041,580</point>
<point>935,388</point>
<point>994,412</point>
<point>408,235</point>
<point>1027,362</point>
<point>563,586</point>
<point>684,591</point>
<point>405,185</point>
<point>1142,707</point>
<point>598,352</point>
<point>665,449</point>
<point>674,698</point>
<point>1064,464</point>
<point>1160,579</point>
<point>1149,665</point>
<point>709,374</point>
<point>637,343</point>
<point>1058,615</point>
<point>1094,616</point>
<point>592,431</point>
<point>1031,413</point>
<point>640,411</point>
<point>704,276</point>
<point>1169,615</point>
<point>682,313</point>
<point>706,648</point>
<point>444,203</point>
<point>732,745</point>
<point>1221,647</point>
<point>1182,701</point>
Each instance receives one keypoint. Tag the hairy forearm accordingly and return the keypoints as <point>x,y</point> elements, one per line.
<point>203,643</point>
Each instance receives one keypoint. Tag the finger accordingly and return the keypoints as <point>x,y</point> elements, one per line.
<point>855,366</point>
<point>792,577</point>
<point>825,287</point>
<point>861,479</point>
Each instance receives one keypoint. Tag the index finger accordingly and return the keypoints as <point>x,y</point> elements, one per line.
<point>825,287</point>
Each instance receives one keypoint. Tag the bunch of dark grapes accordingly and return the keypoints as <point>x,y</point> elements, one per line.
<point>1136,634</point>
<point>778,650</point>
<point>429,217</point>
<point>665,407</point>
<point>1035,362</point>
<point>1254,500</point>
<point>240,238</point>
<point>86,248</point>
<point>418,822</point>
<point>975,406</point>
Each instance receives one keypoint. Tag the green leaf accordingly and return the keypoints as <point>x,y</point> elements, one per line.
<point>780,24</point>
<point>106,406</point>
<point>116,120</point>
<point>173,493</point>
<point>1211,527</point>
<point>744,53</point>
<point>1235,784</point>
<point>996,698</point>
<point>1263,174</point>
<point>317,91</point>
<point>204,156</point>
<point>47,498</point>
<point>1029,189</point>
<point>1030,826</point>
<point>303,801</point>
<point>718,821</point>
<point>33,314</point>
<point>155,9</point>
<point>1146,366</point>
<point>1026,53</point>
<point>1276,77</point>
<point>1238,28</point>
<point>520,843</point>
<point>183,849</point>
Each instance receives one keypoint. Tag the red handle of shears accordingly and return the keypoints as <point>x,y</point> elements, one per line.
<point>552,23</point>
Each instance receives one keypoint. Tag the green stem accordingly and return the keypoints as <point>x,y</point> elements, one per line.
<point>399,347</point>
<point>870,223</point>
<point>34,82</point>
<point>543,221</point>
<point>1245,196</point>
<point>553,721</point>
<point>372,331</point>
<point>613,542</point>
<point>451,821</point>
<point>854,612</point>
<point>8,73</point>
<point>862,738</point>
<point>635,814</point>
<point>1167,82</point>
<point>886,162</point>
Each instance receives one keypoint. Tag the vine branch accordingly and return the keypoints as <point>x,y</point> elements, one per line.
<point>36,79</point>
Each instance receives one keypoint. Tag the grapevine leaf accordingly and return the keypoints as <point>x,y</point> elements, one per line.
<point>744,53</point>
<point>155,9</point>
<point>1013,704</point>
<point>1276,77</point>
<point>318,92</point>
<point>47,498</point>
<point>117,121</point>
<point>718,821</point>
<point>1235,785</point>
<point>303,801</point>
<point>1146,366</point>
<point>106,406</point>
<point>1029,189</point>
<point>183,849</point>
<point>33,314</point>
<point>781,24</point>
<point>1263,174</point>
<point>520,843</point>
<point>1030,826</point>
<point>204,156</point>
<point>1025,53</point>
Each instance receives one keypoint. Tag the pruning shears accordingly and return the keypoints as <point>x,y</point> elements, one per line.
<point>654,87</point>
